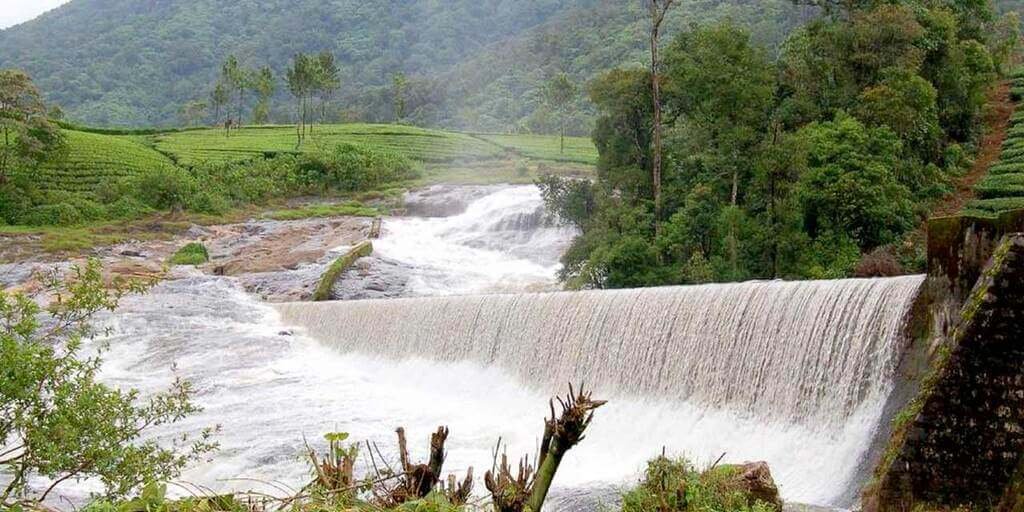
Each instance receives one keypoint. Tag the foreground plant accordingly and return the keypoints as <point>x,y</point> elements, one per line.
<point>57,422</point>
<point>528,488</point>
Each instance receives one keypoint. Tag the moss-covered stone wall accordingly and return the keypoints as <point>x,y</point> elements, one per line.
<point>961,441</point>
<point>959,247</point>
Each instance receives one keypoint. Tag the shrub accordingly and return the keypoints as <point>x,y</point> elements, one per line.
<point>60,214</point>
<point>352,167</point>
<point>191,254</point>
<point>676,486</point>
<point>1007,168</point>
<point>127,207</point>
<point>164,188</point>
<point>992,207</point>
<point>878,263</point>
<point>1001,185</point>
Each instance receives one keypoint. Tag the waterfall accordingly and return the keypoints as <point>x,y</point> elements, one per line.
<point>806,353</point>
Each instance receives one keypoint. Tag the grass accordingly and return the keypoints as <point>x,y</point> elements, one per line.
<point>420,144</point>
<point>352,209</point>
<point>92,160</point>
<point>546,147</point>
<point>191,254</point>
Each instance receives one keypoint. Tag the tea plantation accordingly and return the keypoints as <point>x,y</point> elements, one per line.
<point>1003,189</point>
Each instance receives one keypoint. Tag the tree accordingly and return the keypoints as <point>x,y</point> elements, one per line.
<point>193,112</point>
<point>265,85</point>
<point>328,80</point>
<point>56,420</point>
<point>658,9</point>
<point>399,86</point>
<point>301,78</point>
<point>559,93</point>
<point>240,79</point>
<point>28,137</point>
<point>219,97</point>
<point>850,186</point>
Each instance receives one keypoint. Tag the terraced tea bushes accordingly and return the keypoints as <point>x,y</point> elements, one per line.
<point>1003,189</point>
<point>192,147</point>
<point>92,160</point>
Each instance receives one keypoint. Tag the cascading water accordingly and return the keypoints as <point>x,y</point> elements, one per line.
<point>809,363</point>
<point>501,241</point>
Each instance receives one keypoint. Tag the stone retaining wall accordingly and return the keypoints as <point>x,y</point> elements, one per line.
<point>961,442</point>
<point>959,247</point>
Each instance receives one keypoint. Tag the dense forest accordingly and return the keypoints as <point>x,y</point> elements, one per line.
<point>810,162</point>
<point>472,65</point>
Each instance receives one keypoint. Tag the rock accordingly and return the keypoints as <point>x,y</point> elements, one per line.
<point>285,333</point>
<point>755,478</point>
<point>132,254</point>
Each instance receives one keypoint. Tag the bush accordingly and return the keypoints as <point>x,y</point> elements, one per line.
<point>1001,185</point>
<point>352,167</point>
<point>127,207</point>
<point>1007,168</point>
<point>191,254</point>
<point>992,207</point>
<point>878,263</point>
<point>60,214</point>
<point>676,486</point>
<point>164,189</point>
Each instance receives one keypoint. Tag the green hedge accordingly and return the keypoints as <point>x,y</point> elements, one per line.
<point>1001,185</point>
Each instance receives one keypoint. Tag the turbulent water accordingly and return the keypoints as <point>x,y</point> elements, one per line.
<point>792,373</point>
<point>475,240</point>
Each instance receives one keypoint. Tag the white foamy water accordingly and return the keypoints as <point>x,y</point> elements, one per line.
<point>503,242</point>
<point>270,391</point>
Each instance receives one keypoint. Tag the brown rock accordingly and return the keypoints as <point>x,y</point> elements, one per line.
<point>756,479</point>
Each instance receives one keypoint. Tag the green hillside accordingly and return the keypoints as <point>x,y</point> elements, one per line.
<point>474,64</point>
<point>194,146</point>
<point>1003,188</point>
<point>91,159</point>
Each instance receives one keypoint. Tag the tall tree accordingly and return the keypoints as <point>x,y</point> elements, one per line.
<point>399,85</point>
<point>329,81</point>
<point>219,98</point>
<point>658,9</point>
<point>265,85</point>
<point>559,93</point>
<point>28,137</point>
<point>301,78</point>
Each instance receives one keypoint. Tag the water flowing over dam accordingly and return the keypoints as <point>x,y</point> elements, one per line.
<point>807,352</point>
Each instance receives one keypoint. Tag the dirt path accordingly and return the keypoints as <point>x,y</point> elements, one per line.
<point>997,121</point>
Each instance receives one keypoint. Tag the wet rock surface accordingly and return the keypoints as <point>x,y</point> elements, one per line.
<point>444,200</point>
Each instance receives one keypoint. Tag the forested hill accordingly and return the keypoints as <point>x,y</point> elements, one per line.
<point>472,63</point>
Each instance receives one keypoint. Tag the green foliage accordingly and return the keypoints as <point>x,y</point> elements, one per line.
<point>471,65</point>
<point>676,486</point>
<point>347,209</point>
<point>850,187</point>
<point>27,137</point>
<point>338,267</point>
<point>351,167</point>
<point>57,420</point>
<point>191,254</point>
<point>1003,188</point>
